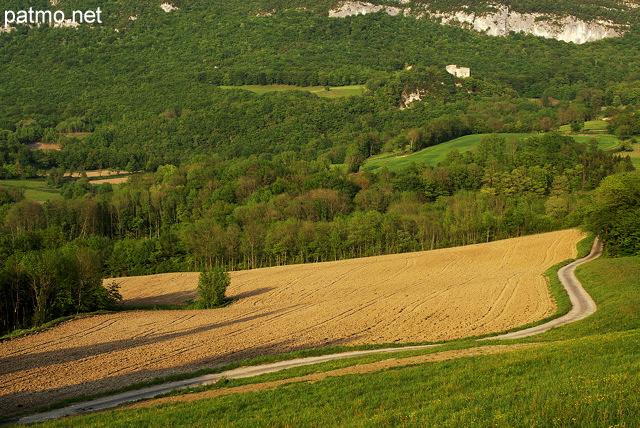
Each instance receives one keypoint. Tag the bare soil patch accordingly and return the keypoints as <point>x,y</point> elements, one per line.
<point>117,180</point>
<point>161,289</point>
<point>44,146</point>
<point>99,173</point>
<point>414,297</point>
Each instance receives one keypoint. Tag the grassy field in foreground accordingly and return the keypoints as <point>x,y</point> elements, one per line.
<point>435,154</point>
<point>34,189</point>
<point>333,92</point>
<point>585,375</point>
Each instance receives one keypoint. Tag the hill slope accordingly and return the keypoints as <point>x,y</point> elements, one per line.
<point>580,375</point>
<point>415,297</point>
<point>119,87</point>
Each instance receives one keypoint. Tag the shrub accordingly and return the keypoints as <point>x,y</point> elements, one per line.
<point>212,285</point>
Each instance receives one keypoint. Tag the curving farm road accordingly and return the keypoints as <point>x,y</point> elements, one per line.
<point>583,306</point>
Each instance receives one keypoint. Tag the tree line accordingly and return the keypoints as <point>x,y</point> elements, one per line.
<point>249,213</point>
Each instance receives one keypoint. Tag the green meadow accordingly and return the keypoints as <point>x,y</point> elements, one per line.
<point>582,375</point>
<point>635,155</point>
<point>430,156</point>
<point>34,189</point>
<point>589,126</point>
<point>435,154</point>
<point>605,142</point>
<point>333,92</point>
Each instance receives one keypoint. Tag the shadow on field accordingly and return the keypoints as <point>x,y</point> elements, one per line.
<point>177,298</point>
<point>16,363</point>
<point>29,401</point>
<point>252,293</point>
<point>182,297</point>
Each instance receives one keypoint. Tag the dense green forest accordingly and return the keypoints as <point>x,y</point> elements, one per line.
<point>244,180</point>
<point>149,92</point>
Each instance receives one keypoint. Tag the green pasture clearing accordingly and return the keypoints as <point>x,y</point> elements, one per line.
<point>333,92</point>
<point>431,155</point>
<point>589,126</point>
<point>583,374</point>
<point>605,142</point>
<point>634,155</point>
<point>435,154</point>
<point>34,189</point>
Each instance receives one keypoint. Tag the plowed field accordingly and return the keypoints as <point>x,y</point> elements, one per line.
<point>414,297</point>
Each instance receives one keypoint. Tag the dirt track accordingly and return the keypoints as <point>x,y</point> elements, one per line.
<point>357,369</point>
<point>428,296</point>
<point>582,305</point>
<point>144,397</point>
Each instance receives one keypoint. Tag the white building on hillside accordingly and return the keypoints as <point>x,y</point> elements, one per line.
<point>459,71</point>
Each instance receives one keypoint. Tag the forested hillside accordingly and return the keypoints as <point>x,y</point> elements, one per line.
<point>149,92</point>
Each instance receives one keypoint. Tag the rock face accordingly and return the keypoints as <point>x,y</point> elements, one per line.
<point>168,7</point>
<point>410,97</point>
<point>503,21</point>
<point>350,8</point>
<point>498,23</point>
<point>68,23</point>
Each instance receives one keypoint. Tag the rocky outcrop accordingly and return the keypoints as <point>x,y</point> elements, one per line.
<point>350,8</point>
<point>410,97</point>
<point>503,21</point>
<point>498,23</point>
<point>67,23</point>
<point>168,7</point>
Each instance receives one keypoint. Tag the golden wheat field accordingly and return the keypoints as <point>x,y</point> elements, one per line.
<point>414,297</point>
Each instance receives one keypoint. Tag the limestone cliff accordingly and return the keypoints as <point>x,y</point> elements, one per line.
<point>350,8</point>
<point>503,21</point>
<point>500,22</point>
